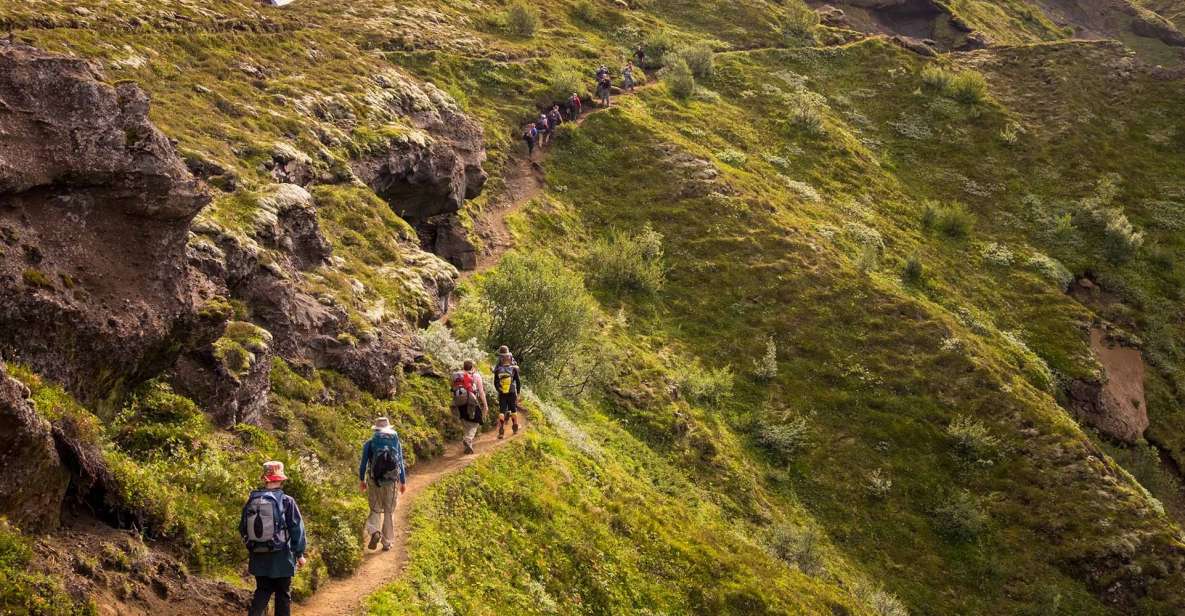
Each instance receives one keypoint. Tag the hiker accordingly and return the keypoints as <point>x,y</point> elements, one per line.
<point>554,119</point>
<point>507,384</point>
<point>469,399</point>
<point>574,107</point>
<point>273,531</point>
<point>383,455</point>
<point>627,76</point>
<point>543,127</point>
<point>530,134</point>
<point>604,88</point>
<point>602,72</point>
<point>640,57</point>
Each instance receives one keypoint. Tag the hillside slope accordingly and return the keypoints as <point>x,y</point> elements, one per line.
<point>912,340</point>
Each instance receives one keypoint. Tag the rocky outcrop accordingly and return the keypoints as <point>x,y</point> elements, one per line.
<point>428,171</point>
<point>231,377</point>
<point>95,207</point>
<point>1114,404</point>
<point>34,482</point>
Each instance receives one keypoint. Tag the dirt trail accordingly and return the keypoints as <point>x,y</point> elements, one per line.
<point>346,597</point>
<point>524,181</point>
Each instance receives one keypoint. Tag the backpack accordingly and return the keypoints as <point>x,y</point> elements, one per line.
<point>529,132</point>
<point>463,394</point>
<point>267,530</point>
<point>384,460</point>
<point>575,101</point>
<point>504,378</point>
<point>554,118</point>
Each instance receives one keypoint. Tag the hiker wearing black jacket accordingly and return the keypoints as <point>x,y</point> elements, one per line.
<point>383,456</point>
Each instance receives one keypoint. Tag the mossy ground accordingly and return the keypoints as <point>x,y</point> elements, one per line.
<point>823,162</point>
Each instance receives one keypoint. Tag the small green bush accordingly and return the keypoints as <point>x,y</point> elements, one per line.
<point>878,484</point>
<point>562,82</point>
<point>625,262</point>
<point>799,547</point>
<point>679,78</point>
<point>936,78</point>
<point>585,11</point>
<point>968,87</point>
<point>960,517</point>
<point>786,438</point>
<point>914,272</point>
<point>952,220</point>
<point>657,46</point>
<point>36,278</point>
<point>799,22</point>
<point>522,19</point>
<point>766,368</point>
<point>705,385</point>
<point>339,547</point>
<point>972,441</point>
<point>734,158</point>
<point>700,59</point>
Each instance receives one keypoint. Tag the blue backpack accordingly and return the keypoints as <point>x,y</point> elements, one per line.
<point>267,529</point>
<point>384,461</point>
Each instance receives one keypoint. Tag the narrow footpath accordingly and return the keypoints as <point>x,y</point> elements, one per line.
<point>346,597</point>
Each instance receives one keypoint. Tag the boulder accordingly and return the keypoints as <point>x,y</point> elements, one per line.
<point>95,207</point>
<point>34,481</point>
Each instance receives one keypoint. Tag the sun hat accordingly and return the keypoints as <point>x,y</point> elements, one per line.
<point>382,424</point>
<point>504,351</point>
<point>273,471</point>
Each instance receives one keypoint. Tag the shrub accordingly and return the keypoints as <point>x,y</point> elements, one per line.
<point>585,11</point>
<point>786,439</point>
<point>878,484</point>
<point>914,272</point>
<point>732,157</point>
<point>807,111</point>
<point>1052,270</point>
<point>952,220</point>
<point>562,82</point>
<point>36,278</point>
<point>936,78</point>
<point>879,601</point>
<point>766,368</point>
<point>971,439</point>
<point>536,306</point>
<point>700,59</point>
<point>998,254</point>
<point>960,517</point>
<point>628,262</point>
<point>522,19</point>
<point>968,87</point>
<point>798,546</point>
<point>339,547</point>
<point>798,23</point>
<point>438,343</point>
<point>705,385</point>
<point>680,80</point>
<point>656,47</point>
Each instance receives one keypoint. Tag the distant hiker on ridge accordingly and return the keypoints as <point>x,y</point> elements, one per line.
<point>469,399</point>
<point>604,88</point>
<point>554,119</point>
<point>640,57</point>
<point>574,107</point>
<point>273,531</point>
<point>544,129</point>
<point>627,76</point>
<point>383,455</point>
<point>508,386</point>
<point>530,135</point>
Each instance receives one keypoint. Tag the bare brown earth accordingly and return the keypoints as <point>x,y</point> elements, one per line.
<point>346,597</point>
<point>1123,387</point>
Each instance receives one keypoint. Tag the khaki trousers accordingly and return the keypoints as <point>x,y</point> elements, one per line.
<point>470,431</point>
<point>382,509</point>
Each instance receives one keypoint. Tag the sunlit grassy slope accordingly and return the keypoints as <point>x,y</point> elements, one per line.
<point>792,191</point>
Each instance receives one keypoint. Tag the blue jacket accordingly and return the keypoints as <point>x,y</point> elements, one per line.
<point>373,445</point>
<point>280,564</point>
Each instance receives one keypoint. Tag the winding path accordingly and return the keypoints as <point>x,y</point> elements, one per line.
<point>346,597</point>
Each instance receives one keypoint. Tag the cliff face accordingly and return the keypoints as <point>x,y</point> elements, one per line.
<point>95,209</point>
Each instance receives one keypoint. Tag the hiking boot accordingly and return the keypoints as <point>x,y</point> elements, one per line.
<point>468,447</point>
<point>374,540</point>
<point>501,430</point>
<point>514,429</point>
<point>387,548</point>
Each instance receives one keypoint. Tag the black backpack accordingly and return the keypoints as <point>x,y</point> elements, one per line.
<point>384,463</point>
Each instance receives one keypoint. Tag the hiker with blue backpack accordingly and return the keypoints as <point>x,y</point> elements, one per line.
<point>273,531</point>
<point>383,456</point>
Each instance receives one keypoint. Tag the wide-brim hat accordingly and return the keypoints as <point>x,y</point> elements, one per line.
<point>273,471</point>
<point>382,424</point>
<point>504,351</point>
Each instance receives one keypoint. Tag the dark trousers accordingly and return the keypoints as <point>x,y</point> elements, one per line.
<point>265,587</point>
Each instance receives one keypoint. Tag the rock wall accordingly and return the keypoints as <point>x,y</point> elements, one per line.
<point>95,208</point>
<point>33,482</point>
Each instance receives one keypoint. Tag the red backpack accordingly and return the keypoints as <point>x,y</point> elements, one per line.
<point>463,394</point>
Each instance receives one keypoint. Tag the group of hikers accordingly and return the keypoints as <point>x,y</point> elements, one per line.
<point>539,132</point>
<point>271,525</point>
